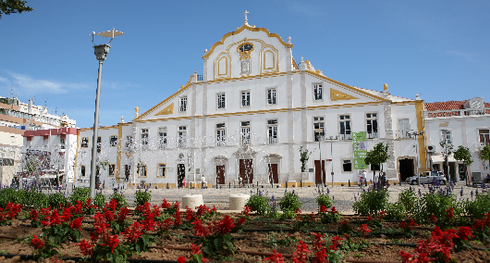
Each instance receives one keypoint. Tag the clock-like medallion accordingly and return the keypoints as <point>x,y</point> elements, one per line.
<point>245,50</point>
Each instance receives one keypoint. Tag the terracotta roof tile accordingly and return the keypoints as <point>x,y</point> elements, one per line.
<point>448,105</point>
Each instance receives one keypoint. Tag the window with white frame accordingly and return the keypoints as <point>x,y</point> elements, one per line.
<point>245,131</point>
<point>144,139</point>
<point>345,128</point>
<point>403,128</point>
<point>245,98</point>
<point>183,104</point>
<point>142,170</point>
<point>271,97</point>
<point>182,133</point>
<point>99,144</point>
<point>446,136</point>
<point>272,131</point>
<point>113,141</point>
<point>112,169</point>
<point>318,127</point>
<point>346,165</point>
<point>84,143</point>
<point>318,91</point>
<point>484,136</point>
<point>129,142</point>
<point>372,125</point>
<point>162,137</point>
<point>221,100</point>
<point>62,143</point>
<point>220,134</point>
<point>162,170</point>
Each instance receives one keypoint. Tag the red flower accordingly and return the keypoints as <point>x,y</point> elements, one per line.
<point>181,259</point>
<point>133,233</point>
<point>36,242</point>
<point>112,204</point>
<point>34,215</point>
<point>333,210</point>
<point>122,215</point>
<point>165,204</point>
<point>336,242</point>
<point>365,229</point>
<point>318,241</point>
<point>246,210</point>
<point>369,218</point>
<point>77,223</point>
<point>433,218</point>
<point>199,228</point>
<point>111,242</point>
<point>177,216</point>
<point>464,232</point>
<point>321,256</point>
<point>225,225</point>
<point>241,221</point>
<point>301,253</point>
<point>382,214</point>
<point>189,214</point>
<point>276,257</point>
<point>323,209</point>
<point>86,248</point>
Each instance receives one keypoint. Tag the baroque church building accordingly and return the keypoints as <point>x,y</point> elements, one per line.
<point>248,116</point>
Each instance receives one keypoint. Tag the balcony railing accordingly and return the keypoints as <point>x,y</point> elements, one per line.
<point>457,113</point>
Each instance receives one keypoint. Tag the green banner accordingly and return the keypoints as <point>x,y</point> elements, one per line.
<point>359,145</point>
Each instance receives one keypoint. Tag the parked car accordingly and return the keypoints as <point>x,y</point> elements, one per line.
<point>428,177</point>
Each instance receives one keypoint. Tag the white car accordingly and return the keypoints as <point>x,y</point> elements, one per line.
<point>428,177</point>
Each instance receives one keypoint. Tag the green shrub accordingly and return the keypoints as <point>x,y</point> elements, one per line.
<point>99,200</point>
<point>436,203</point>
<point>80,194</point>
<point>289,202</point>
<point>141,197</point>
<point>477,208</point>
<point>259,204</point>
<point>324,199</point>
<point>408,200</point>
<point>57,199</point>
<point>395,211</point>
<point>121,200</point>
<point>372,201</point>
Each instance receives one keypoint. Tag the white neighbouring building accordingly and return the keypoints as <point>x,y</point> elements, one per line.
<point>465,123</point>
<point>247,116</point>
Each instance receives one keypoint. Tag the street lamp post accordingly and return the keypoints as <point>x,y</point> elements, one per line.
<point>331,154</point>
<point>320,134</point>
<point>415,134</point>
<point>100,52</point>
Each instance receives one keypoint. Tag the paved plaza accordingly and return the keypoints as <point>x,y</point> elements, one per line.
<point>344,196</point>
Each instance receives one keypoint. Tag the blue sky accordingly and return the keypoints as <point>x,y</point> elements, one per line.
<point>439,49</point>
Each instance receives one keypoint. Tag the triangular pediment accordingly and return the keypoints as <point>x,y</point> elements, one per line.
<point>167,110</point>
<point>336,95</point>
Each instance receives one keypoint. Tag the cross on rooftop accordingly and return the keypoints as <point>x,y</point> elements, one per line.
<point>246,20</point>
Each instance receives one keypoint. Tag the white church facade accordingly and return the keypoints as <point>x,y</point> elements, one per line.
<point>246,118</point>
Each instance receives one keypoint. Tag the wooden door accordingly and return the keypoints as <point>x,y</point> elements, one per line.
<point>318,167</point>
<point>273,177</point>
<point>220,174</point>
<point>246,171</point>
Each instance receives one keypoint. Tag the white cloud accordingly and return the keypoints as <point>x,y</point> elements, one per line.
<point>28,85</point>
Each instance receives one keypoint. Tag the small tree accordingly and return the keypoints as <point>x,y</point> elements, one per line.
<point>377,156</point>
<point>464,154</point>
<point>484,153</point>
<point>447,149</point>
<point>304,156</point>
<point>13,6</point>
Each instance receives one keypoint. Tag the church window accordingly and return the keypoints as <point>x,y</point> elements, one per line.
<point>183,104</point>
<point>142,170</point>
<point>245,98</point>
<point>220,134</point>
<point>84,143</point>
<point>113,140</point>
<point>112,169</point>
<point>318,91</point>
<point>182,136</point>
<point>272,131</point>
<point>83,171</point>
<point>245,131</point>
<point>345,130</point>
<point>144,139</point>
<point>162,137</point>
<point>318,127</point>
<point>129,142</point>
<point>221,100</point>
<point>372,125</point>
<point>271,96</point>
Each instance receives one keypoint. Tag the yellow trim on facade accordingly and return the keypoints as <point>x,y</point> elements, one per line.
<point>239,30</point>
<point>76,158</point>
<point>118,156</point>
<point>167,110</point>
<point>419,110</point>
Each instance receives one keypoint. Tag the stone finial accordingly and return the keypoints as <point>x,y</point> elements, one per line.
<point>122,119</point>
<point>385,87</point>
<point>205,51</point>
<point>417,97</point>
<point>136,112</point>
<point>289,40</point>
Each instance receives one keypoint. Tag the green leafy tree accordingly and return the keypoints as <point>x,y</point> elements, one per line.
<point>377,156</point>
<point>447,149</point>
<point>484,153</point>
<point>304,156</point>
<point>463,154</point>
<point>13,6</point>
